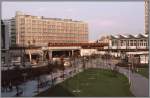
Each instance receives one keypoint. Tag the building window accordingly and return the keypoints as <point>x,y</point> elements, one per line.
<point>131,42</point>
<point>141,42</point>
<point>135,42</point>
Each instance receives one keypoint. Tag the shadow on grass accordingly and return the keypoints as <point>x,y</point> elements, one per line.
<point>56,91</point>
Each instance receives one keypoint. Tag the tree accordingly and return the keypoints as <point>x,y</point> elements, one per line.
<point>50,70</point>
<point>83,60</point>
<point>62,66</point>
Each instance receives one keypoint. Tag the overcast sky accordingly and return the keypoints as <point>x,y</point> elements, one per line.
<point>103,18</point>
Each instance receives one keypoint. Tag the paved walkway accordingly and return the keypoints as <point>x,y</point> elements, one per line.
<point>139,84</point>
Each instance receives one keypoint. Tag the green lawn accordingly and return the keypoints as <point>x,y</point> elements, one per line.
<point>144,72</point>
<point>92,82</point>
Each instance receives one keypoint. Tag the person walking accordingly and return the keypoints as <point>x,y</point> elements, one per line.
<point>10,86</point>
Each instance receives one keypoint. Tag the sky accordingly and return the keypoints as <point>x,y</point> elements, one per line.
<point>103,18</point>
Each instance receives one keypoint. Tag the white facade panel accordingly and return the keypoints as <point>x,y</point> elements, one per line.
<point>88,52</point>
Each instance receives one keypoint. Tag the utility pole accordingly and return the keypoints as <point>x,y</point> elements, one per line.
<point>129,74</point>
<point>146,17</point>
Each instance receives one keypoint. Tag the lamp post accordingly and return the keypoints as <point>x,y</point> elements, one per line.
<point>30,57</point>
<point>90,57</point>
<point>129,75</point>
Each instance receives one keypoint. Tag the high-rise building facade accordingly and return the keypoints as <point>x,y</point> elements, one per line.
<point>13,31</point>
<point>35,30</point>
<point>7,33</point>
<point>2,35</point>
<point>10,31</point>
<point>147,10</point>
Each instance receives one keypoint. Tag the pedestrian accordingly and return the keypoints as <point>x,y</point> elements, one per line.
<point>17,89</point>
<point>5,86</point>
<point>132,70</point>
<point>10,86</point>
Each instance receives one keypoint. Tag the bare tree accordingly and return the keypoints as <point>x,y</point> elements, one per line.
<point>83,61</point>
<point>51,69</point>
<point>62,67</point>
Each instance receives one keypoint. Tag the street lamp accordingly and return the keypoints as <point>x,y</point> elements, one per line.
<point>129,75</point>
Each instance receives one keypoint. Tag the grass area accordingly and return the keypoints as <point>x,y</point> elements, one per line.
<point>144,72</point>
<point>92,82</point>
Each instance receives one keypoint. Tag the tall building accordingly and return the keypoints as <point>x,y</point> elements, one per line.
<point>2,35</point>
<point>8,31</point>
<point>147,10</point>
<point>13,31</point>
<point>41,31</point>
<point>5,40</point>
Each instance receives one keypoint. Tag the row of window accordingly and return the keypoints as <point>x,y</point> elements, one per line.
<point>53,37</point>
<point>47,41</point>
<point>55,32</point>
<point>51,26</point>
<point>41,22</point>
<point>52,32</point>
<point>130,43</point>
<point>52,29</point>
<point>45,28</point>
